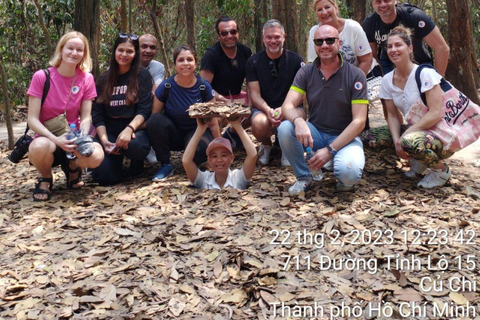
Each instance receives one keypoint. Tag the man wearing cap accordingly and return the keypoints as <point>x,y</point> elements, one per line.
<point>337,98</point>
<point>220,157</point>
<point>270,74</point>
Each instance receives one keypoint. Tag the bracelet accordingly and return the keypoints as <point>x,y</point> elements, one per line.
<point>131,127</point>
<point>293,121</point>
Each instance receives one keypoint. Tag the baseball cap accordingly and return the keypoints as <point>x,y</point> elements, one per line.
<point>219,142</point>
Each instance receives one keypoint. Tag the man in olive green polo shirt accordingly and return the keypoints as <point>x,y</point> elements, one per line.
<point>337,97</point>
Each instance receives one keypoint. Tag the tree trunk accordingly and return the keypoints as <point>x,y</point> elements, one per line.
<point>258,24</point>
<point>190,22</point>
<point>44,28</point>
<point>87,21</point>
<point>8,118</point>
<point>291,25</point>
<point>160,38</point>
<point>461,66</point>
<point>357,9</point>
<point>123,16</point>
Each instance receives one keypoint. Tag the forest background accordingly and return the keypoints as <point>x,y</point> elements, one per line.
<point>29,30</point>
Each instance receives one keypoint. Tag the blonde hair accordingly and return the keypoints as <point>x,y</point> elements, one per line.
<point>85,64</point>
<point>331,1</point>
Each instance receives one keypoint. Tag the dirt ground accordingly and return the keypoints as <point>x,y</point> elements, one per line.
<point>144,250</point>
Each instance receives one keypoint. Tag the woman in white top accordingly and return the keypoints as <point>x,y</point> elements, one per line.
<point>400,91</point>
<point>354,43</point>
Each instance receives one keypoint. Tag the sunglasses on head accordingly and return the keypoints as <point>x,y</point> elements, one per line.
<point>329,41</point>
<point>273,68</point>
<point>134,37</point>
<point>225,33</point>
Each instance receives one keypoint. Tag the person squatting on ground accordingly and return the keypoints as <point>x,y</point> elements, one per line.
<point>169,126</point>
<point>71,92</point>
<point>223,65</point>
<point>123,104</point>
<point>220,158</point>
<point>336,92</point>
<point>354,45</point>
<point>270,74</point>
<point>400,91</point>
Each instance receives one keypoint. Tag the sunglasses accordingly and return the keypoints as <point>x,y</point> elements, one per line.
<point>122,35</point>
<point>273,68</point>
<point>225,33</point>
<point>319,42</point>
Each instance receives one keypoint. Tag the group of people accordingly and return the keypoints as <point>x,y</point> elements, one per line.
<point>135,111</point>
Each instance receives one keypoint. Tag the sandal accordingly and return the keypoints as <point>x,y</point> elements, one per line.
<point>39,190</point>
<point>67,170</point>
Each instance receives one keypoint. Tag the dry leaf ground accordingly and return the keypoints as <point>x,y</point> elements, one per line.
<point>144,250</point>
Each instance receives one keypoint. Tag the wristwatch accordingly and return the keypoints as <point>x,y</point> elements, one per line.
<point>332,151</point>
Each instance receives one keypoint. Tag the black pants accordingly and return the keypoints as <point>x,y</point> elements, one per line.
<point>165,137</point>
<point>110,170</point>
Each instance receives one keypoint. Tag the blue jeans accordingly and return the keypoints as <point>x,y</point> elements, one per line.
<point>347,165</point>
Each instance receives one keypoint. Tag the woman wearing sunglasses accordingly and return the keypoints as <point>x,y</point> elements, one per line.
<point>354,43</point>
<point>169,126</point>
<point>123,105</point>
<point>69,99</point>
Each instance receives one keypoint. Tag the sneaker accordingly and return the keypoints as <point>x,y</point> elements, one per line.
<point>343,188</point>
<point>298,187</point>
<point>416,168</point>
<point>264,154</point>
<point>166,170</point>
<point>234,138</point>
<point>284,161</point>
<point>435,178</point>
<point>152,157</point>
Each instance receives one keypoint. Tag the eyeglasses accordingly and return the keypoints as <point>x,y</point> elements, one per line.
<point>319,42</point>
<point>122,35</point>
<point>273,68</point>
<point>225,33</point>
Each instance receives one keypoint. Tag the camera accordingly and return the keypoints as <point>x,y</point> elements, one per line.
<point>21,148</point>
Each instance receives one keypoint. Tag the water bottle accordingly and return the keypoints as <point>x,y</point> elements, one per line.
<point>317,175</point>
<point>71,134</point>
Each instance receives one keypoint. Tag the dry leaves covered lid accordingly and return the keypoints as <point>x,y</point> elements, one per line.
<point>219,142</point>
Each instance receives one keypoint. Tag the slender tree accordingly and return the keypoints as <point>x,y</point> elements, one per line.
<point>190,22</point>
<point>461,66</point>
<point>8,118</point>
<point>87,21</point>
<point>44,27</point>
<point>357,9</point>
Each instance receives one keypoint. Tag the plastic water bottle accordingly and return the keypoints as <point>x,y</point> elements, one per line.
<point>317,175</point>
<point>71,134</point>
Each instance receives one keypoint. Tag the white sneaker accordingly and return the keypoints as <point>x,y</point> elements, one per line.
<point>284,161</point>
<point>435,178</point>
<point>152,157</point>
<point>298,187</point>
<point>264,154</point>
<point>416,167</point>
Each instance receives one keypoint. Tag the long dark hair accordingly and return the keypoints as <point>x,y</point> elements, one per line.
<point>112,73</point>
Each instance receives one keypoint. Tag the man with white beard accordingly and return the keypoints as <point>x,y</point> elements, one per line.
<point>270,74</point>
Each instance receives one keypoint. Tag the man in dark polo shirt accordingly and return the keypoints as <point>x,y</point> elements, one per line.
<point>336,92</point>
<point>270,74</point>
<point>389,15</point>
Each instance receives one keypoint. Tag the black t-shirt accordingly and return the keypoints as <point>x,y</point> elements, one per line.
<point>409,16</point>
<point>228,73</point>
<point>274,89</point>
<point>117,107</point>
